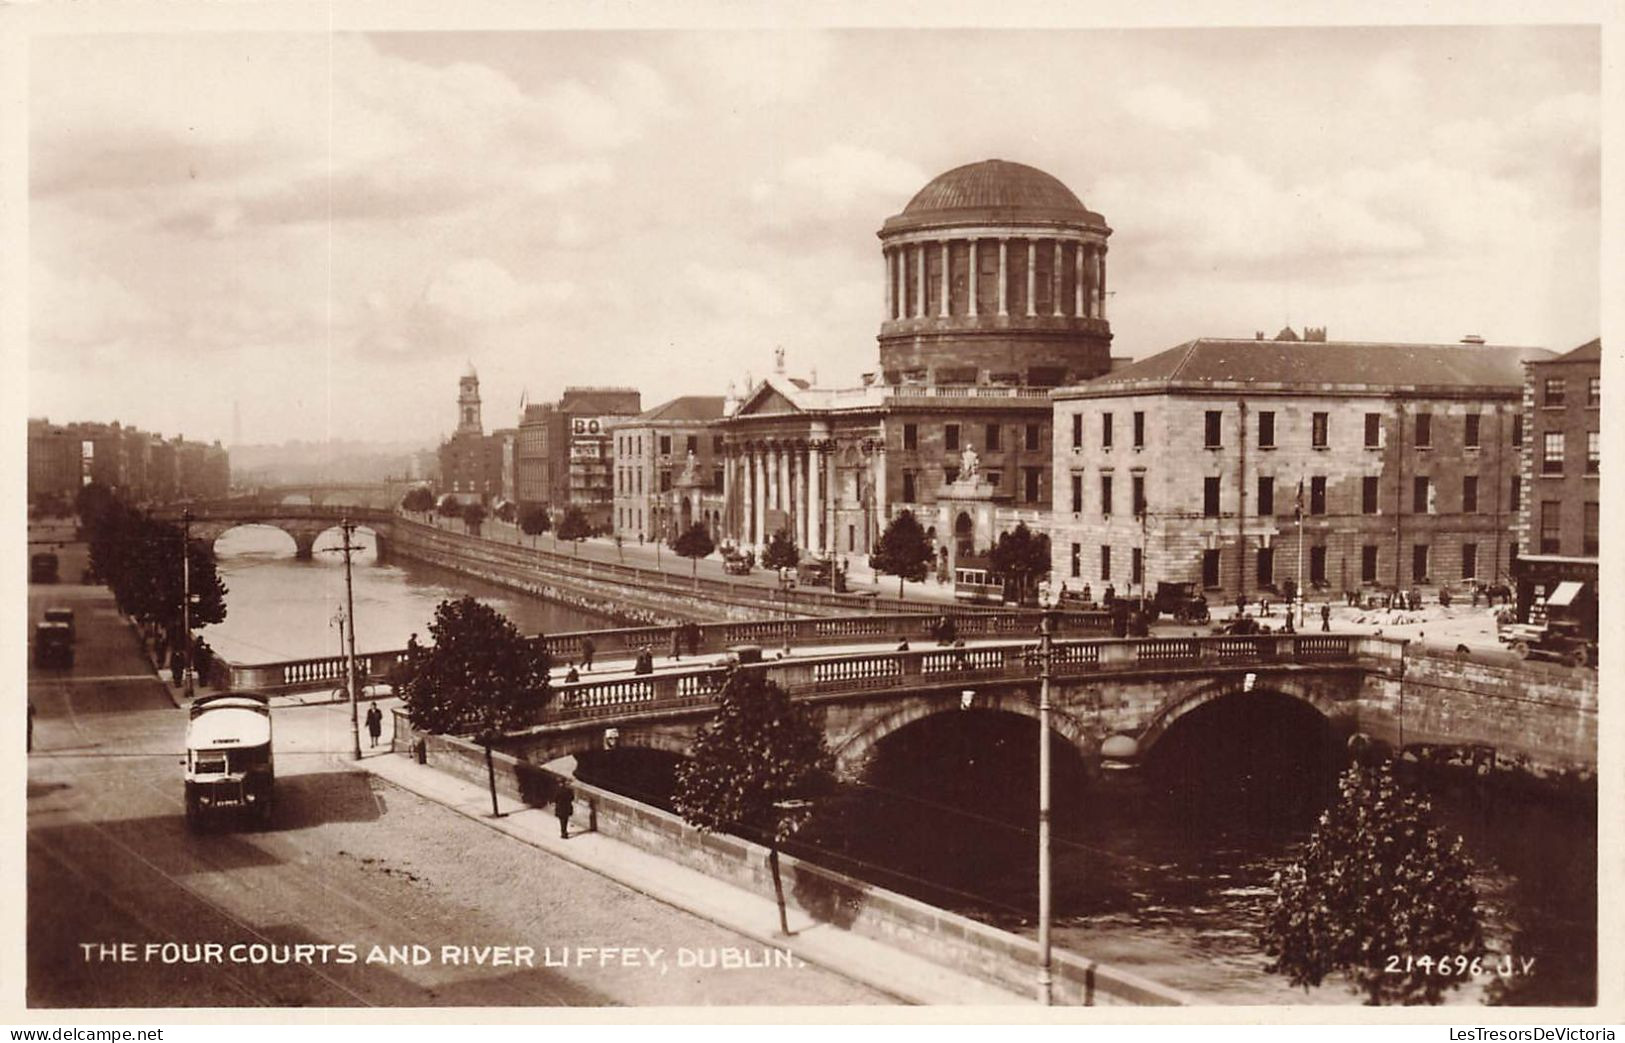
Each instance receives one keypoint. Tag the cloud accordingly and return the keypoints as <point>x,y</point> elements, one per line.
<point>810,191</point>
<point>73,312</point>
<point>1167,106</point>
<point>465,305</point>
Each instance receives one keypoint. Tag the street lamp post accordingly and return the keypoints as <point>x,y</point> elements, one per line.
<point>186,597</point>
<point>1046,651</point>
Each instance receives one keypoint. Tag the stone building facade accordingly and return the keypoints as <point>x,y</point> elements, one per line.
<point>994,292</point>
<point>140,466</point>
<point>1559,523</point>
<point>1196,464</point>
<point>668,469</point>
<point>470,463</point>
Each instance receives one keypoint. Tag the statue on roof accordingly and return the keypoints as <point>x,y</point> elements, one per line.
<point>778,361</point>
<point>690,470</point>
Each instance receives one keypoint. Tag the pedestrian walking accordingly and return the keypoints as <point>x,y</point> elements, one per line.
<point>564,805</point>
<point>677,644</point>
<point>691,632</point>
<point>571,677</point>
<point>587,650</point>
<point>1326,616</point>
<point>375,722</point>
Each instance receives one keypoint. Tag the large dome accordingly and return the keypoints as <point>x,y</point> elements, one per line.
<point>994,184</point>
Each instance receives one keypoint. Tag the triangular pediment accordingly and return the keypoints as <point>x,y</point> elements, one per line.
<point>768,400</point>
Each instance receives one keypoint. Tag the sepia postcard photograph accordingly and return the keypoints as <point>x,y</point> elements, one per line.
<point>755,512</point>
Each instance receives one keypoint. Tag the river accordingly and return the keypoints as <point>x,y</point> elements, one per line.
<point>278,607</point>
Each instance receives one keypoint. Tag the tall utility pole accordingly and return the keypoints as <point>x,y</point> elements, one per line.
<point>186,596</point>
<point>348,527</point>
<point>1046,648</point>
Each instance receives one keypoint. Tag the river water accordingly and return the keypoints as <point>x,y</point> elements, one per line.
<point>280,608</point>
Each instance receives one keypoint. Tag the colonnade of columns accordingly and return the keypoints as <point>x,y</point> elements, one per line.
<point>795,477</point>
<point>1087,299</point>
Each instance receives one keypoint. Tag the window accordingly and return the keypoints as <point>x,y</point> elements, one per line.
<point>1551,527</point>
<point>1469,561</point>
<point>1136,567</point>
<point>1033,431</point>
<point>1077,430</point>
<point>1105,494</point>
<point>1368,563</point>
<point>716,444</point>
<point>1469,437</point>
<point>1424,430</point>
<point>1551,453</point>
<point>911,436</point>
<point>1139,429</point>
<point>1211,429</point>
<point>1266,566</point>
<point>1588,541</point>
<point>1077,493</point>
<point>1031,488</point>
<point>693,445</point>
<point>1319,423</point>
<point>1517,429</point>
<point>1369,491</point>
<point>1106,562</point>
<point>1210,497</point>
<point>1593,452</point>
<point>1317,494</point>
<point>1266,497</point>
<point>1373,430</point>
<point>1105,430</point>
<point>1419,563</point>
<point>1469,494</point>
<point>950,436</point>
<point>1421,495</point>
<point>993,478</point>
<point>1317,566</point>
<point>665,445</point>
<point>908,486</point>
<point>1594,392</point>
<point>1077,560</point>
<point>1210,568</point>
<point>1137,494</point>
<point>1266,429</point>
<point>1515,498</point>
<point>665,481</point>
<point>1554,392</point>
<point>993,436</point>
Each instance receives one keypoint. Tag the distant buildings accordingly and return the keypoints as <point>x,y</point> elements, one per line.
<point>137,465</point>
<point>470,463</point>
<point>1559,520</point>
<point>1195,464</point>
<point>668,469</point>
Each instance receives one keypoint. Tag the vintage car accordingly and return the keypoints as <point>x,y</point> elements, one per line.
<point>1180,600</point>
<point>42,568</point>
<point>53,644</point>
<point>1560,640</point>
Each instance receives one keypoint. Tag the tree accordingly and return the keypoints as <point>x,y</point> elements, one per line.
<point>903,550</point>
<point>755,767</point>
<point>507,511</point>
<point>533,521</point>
<point>418,500</point>
<point>480,677</point>
<point>448,506</point>
<point>574,527</point>
<point>782,552</point>
<point>473,518</point>
<point>694,543</point>
<point>140,561</point>
<point>1020,557</point>
<point>1377,879</point>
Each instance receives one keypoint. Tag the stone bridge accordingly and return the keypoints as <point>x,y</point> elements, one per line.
<point>304,522</point>
<point>385,494</point>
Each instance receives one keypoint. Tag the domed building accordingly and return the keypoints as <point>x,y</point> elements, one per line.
<point>995,277</point>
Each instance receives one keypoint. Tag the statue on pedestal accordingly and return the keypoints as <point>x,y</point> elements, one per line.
<point>970,467</point>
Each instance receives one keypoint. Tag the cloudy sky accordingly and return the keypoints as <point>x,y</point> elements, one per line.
<point>325,228</point>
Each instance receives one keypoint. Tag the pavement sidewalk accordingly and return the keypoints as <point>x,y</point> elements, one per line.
<point>909,978</point>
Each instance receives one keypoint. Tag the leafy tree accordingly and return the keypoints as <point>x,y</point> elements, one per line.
<point>140,561</point>
<point>449,506</point>
<point>694,543</point>
<point>1377,879</point>
<point>473,518</point>
<point>755,767</point>
<point>782,552</point>
<point>507,511</point>
<point>534,521</point>
<point>1021,557</point>
<point>418,500</point>
<point>93,501</point>
<point>903,550</point>
<point>574,527</point>
<point>480,677</point>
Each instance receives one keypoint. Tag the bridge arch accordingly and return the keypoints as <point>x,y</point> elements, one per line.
<point>854,751</point>
<point>1171,710</point>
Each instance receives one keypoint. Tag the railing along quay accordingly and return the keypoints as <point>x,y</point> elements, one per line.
<point>933,666</point>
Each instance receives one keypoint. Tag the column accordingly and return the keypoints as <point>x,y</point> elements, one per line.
<point>1004,276</point>
<point>947,286</point>
<point>891,284</point>
<point>1101,311</point>
<point>1058,278</point>
<point>803,502</point>
<point>727,494</point>
<point>815,502</point>
<point>760,497</point>
<point>1077,305</point>
<point>878,470</point>
<point>970,308</point>
<point>919,283</point>
<point>1032,277</point>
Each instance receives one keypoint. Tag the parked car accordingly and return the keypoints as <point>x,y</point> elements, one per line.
<point>1181,600</point>
<point>1560,640</point>
<point>737,564</point>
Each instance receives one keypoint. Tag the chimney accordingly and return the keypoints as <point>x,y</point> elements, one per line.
<point>1472,338</point>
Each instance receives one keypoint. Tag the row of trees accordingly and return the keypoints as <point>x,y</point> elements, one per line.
<point>140,561</point>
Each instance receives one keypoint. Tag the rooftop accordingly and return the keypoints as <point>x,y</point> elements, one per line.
<point>993,189</point>
<point>695,408</point>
